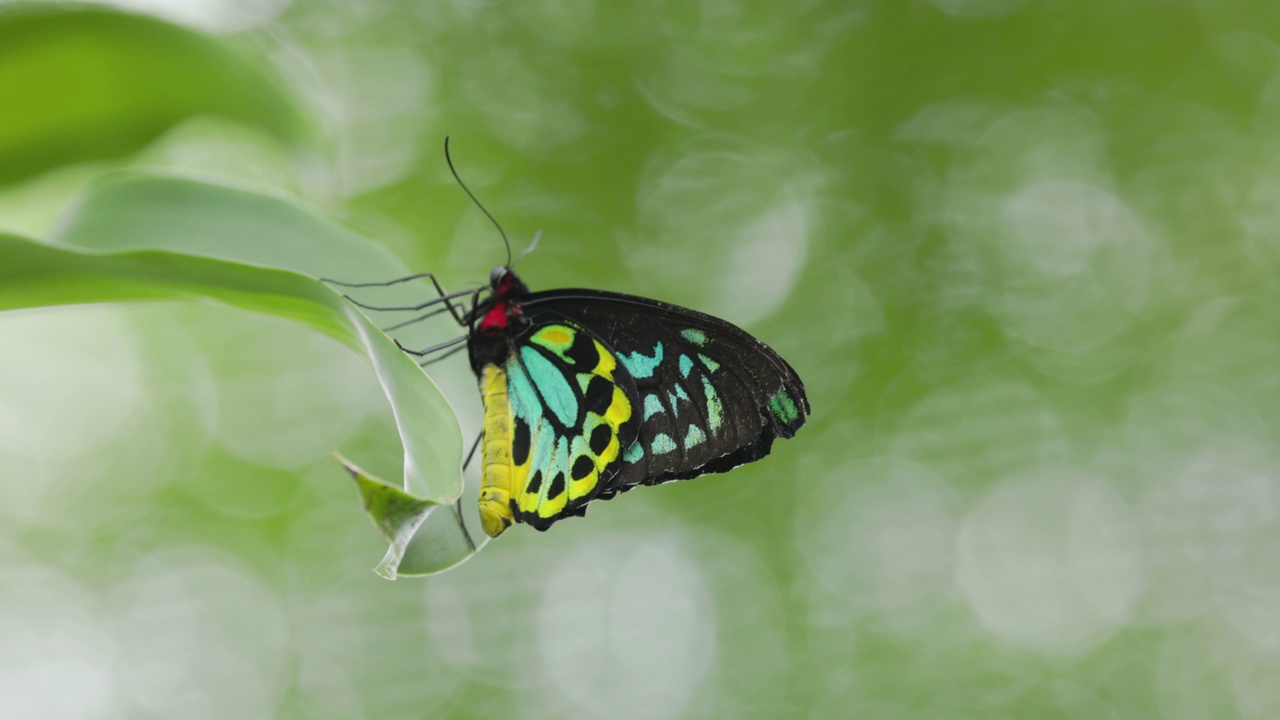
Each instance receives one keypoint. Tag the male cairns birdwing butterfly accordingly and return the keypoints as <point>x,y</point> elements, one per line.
<point>589,393</point>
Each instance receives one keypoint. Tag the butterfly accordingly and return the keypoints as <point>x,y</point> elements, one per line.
<point>589,393</point>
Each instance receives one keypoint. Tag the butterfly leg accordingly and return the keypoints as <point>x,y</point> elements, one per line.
<point>442,295</point>
<point>444,298</point>
<point>443,356</point>
<point>457,507</point>
<point>413,321</point>
<point>434,348</point>
<point>383,283</point>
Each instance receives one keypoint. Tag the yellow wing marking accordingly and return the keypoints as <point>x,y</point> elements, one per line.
<point>555,336</point>
<point>617,413</point>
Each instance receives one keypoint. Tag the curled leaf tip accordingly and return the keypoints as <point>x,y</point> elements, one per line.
<point>353,469</point>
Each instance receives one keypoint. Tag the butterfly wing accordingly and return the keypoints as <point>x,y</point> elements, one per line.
<point>559,414</point>
<point>707,396</point>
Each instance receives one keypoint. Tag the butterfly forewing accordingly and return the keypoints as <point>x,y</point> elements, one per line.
<point>571,417</point>
<point>707,395</point>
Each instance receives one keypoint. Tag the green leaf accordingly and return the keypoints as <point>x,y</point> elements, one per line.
<point>85,84</point>
<point>396,513</point>
<point>137,210</point>
<point>425,538</point>
<point>117,245</point>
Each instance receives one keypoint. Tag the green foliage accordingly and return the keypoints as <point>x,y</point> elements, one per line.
<point>100,85</point>
<point>200,240</point>
<point>86,84</point>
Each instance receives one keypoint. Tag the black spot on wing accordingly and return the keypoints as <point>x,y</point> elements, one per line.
<point>582,467</point>
<point>599,395</point>
<point>599,439</point>
<point>535,482</point>
<point>582,352</point>
<point>556,489</point>
<point>520,442</point>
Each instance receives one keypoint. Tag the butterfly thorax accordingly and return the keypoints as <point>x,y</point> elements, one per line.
<point>496,320</point>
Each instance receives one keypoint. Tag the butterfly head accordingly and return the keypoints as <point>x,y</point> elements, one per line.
<point>504,282</point>
<point>497,275</point>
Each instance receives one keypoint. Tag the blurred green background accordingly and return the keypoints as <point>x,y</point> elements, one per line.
<point>1023,252</point>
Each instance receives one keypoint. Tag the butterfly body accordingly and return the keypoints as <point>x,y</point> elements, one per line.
<point>590,393</point>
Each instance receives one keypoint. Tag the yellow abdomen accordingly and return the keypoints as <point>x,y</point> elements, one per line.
<point>495,481</point>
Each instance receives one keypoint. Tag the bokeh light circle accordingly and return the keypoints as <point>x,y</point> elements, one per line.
<point>1051,561</point>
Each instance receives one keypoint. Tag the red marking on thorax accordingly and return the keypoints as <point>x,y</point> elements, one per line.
<point>495,319</point>
<point>502,310</point>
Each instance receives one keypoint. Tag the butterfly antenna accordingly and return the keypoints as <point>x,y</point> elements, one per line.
<point>471,195</point>
<point>533,244</point>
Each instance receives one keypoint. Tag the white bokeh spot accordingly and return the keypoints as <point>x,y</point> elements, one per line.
<point>59,403</point>
<point>201,637</point>
<point>765,264</point>
<point>1051,562</point>
<point>880,535</point>
<point>56,656</point>
<point>627,629</point>
<point>745,213</point>
<point>978,8</point>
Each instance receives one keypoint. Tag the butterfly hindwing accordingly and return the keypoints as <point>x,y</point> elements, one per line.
<point>571,417</point>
